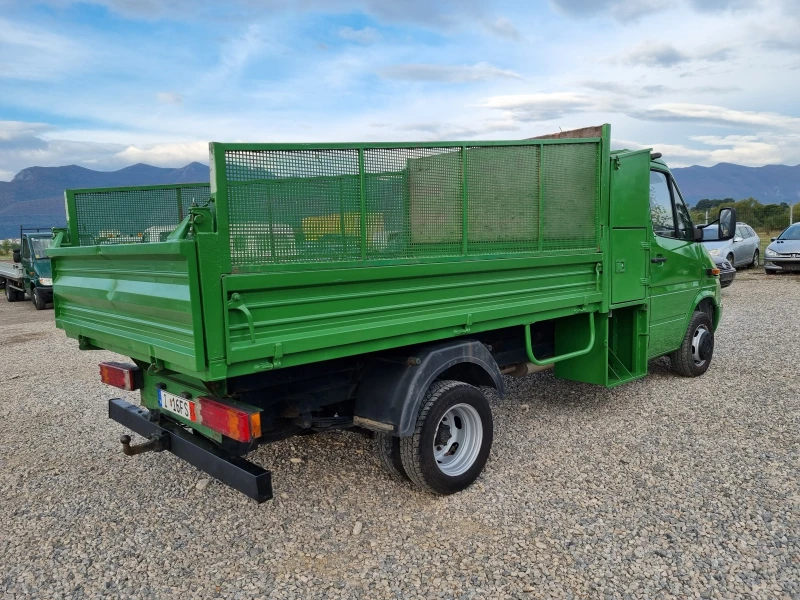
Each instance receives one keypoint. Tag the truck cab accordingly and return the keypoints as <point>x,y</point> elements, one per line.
<point>31,273</point>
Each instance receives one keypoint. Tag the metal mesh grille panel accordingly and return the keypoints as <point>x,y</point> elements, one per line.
<point>413,197</point>
<point>570,206</point>
<point>294,206</point>
<point>290,206</point>
<point>503,199</point>
<point>133,215</point>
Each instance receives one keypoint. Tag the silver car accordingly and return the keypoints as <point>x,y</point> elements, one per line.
<point>783,254</point>
<point>741,251</point>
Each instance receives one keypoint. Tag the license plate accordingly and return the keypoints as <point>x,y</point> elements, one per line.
<point>177,405</point>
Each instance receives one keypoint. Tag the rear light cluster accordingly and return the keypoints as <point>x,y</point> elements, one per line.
<point>240,424</point>
<point>121,375</point>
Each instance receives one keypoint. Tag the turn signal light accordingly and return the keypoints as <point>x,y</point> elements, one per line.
<point>121,375</point>
<point>712,272</point>
<point>240,424</point>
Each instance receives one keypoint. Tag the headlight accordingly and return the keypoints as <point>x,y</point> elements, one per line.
<point>45,281</point>
<point>771,252</point>
<point>714,252</point>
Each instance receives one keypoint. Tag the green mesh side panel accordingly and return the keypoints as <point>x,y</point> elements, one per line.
<point>350,204</point>
<point>133,215</point>
<point>503,199</point>
<point>570,182</point>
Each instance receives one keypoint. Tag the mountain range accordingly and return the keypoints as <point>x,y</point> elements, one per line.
<point>35,197</point>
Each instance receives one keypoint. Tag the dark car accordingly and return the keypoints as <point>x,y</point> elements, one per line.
<point>726,271</point>
<point>783,254</point>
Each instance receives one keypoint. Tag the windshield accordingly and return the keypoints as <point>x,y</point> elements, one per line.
<point>791,233</point>
<point>38,246</point>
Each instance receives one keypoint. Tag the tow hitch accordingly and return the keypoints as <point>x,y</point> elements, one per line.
<point>250,479</point>
<point>157,442</point>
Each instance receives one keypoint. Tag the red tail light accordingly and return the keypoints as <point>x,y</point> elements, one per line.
<point>121,375</point>
<point>237,423</point>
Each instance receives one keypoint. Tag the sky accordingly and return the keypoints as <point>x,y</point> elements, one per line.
<point>108,83</point>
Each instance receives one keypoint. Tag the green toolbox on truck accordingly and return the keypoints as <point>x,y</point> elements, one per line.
<point>311,287</point>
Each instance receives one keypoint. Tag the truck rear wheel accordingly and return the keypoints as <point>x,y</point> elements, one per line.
<point>389,455</point>
<point>39,302</point>
<point>12,295</point>
<point>693,358</point>
<point>451,440</point>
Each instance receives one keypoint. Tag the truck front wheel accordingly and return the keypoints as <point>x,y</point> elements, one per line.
<point>39,302</point>
<point>693,358</point>
<point>451,440</point>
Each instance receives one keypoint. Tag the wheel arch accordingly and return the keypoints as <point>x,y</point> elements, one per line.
<point>391,391</point>
<point>708,303</point>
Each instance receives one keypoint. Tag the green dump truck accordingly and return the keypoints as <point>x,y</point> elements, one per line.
<point>312,287</point>
<point>30,271</point>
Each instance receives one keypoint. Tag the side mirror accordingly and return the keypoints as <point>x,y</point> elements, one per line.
<point>725,227</point>
<point>16,255</point>
<point>738,239</point>
<point>772,239</point>
<point>727,223</point>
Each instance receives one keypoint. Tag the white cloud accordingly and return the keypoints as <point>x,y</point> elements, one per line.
<point>35,54</point>
<point>367,35</point>
<point>170,98</point>
<point>549,106</point>
<point>706,113</point>
<point>503,27</point>
<point>481,71</point>
<point>163,155</point>
<point>750,150</point>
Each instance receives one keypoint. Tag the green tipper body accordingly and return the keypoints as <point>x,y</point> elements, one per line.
<point>301,253</point>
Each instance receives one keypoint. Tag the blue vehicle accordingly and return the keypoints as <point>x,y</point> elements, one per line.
<point>741,251</point>
<point>783,254</point>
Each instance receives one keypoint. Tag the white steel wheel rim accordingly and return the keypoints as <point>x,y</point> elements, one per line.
<point>457,441</point>
<point>697,340</point>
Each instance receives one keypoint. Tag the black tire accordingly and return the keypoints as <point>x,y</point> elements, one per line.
<point>417,451</point>
<point>754,263</point>
<point>389,455</point>
<point>731,259</point>
<point>39,302</point>
<point>694,356</point>
<point>12,295</point>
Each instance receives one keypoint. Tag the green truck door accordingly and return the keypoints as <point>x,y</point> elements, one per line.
<point>629,226</point>
<point>674,265</point>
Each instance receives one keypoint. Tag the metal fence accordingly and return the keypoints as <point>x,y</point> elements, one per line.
<point>130,215</point>
<point>349,203</point>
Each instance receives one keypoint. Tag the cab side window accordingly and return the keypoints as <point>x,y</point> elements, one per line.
<point>661,211</point>
<point>684,220</point>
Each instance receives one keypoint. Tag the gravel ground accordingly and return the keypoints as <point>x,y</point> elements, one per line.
<point>666,487</point>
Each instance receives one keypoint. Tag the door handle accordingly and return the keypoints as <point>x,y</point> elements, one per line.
<point>658,260</point>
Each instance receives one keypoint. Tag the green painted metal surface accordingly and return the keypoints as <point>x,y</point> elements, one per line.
<point>141,300</point>
<point>130,215</point>
<point>310,252</point>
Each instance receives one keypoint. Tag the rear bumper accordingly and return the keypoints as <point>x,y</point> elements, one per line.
<point>242,475</point>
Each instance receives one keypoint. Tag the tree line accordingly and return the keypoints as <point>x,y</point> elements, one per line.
<point>765,217</point>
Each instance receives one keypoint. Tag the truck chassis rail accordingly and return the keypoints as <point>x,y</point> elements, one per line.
<point>240,474</point>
